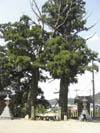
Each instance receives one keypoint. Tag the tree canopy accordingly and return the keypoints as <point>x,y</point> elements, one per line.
<point>66,54</point>
<point>24,43</point>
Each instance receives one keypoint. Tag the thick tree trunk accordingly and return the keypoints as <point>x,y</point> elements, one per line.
<point>33,92</point>
<point>63,98</point>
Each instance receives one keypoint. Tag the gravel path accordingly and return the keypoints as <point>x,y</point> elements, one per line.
<point>28,126</point>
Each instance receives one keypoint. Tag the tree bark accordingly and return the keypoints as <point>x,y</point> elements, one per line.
<point>63,98</point>
<point>33,92</point>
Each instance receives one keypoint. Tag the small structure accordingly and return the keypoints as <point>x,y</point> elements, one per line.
<point>79,100</point>
<point>84,114</point>
<point>6,114</point>
<point>54,103</point>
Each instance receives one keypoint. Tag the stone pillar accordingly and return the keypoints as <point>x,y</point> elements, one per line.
<point>59,113</point>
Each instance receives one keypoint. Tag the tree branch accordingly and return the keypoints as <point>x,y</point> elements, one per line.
<point>90,37</point>
<point>37,7</point>
<point>39,14</point>
<point>67,14</point>
<point>65,17</point>
<point>31,4</point>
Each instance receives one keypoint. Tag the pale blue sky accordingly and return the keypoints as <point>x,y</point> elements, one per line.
<point>93,8</point>
<point>12,10</point>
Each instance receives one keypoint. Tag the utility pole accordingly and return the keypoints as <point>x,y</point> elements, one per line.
<point>93,85</point>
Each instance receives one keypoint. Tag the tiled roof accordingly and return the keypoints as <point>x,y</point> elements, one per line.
<point>79,99</point>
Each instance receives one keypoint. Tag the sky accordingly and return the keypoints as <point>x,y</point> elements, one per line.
<point>12,10</point>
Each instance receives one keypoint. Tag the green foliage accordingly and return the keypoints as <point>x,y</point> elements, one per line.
<point>66,53</point>
<point>24,110</point>
<point>24,44</point>
<point>65,16</point>
<point>65,59</point>
<point>4,71</point>
<point>40,109</point>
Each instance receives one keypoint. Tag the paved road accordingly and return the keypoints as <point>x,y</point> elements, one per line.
<point>27,126</point>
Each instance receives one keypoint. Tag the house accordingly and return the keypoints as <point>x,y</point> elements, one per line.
<point>72,107</point>
<point>53,105</point>
<point>79,101</point>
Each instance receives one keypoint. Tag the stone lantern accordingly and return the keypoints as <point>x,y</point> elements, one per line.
<point>85,112</point>
<point>84,103</point>
<point>6,114</point>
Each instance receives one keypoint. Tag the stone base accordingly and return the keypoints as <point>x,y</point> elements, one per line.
<point>6,118</point>
<point>6,114</point>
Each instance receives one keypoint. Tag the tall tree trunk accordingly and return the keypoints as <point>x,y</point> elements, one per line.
<point>63,98</point>
<point>33,92</point>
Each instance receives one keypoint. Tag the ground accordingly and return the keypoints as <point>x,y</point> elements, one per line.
<point>28,126</point>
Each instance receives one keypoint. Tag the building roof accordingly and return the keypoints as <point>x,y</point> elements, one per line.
<point>79,99</point>
<point>53,102</point>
